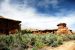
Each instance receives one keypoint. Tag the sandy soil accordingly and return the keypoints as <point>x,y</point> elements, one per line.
<point>70,45</point>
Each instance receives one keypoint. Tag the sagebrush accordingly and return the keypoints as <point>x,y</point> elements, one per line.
<point>25,41</point>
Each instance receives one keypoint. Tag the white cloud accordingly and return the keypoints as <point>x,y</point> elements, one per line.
<point>30,19</point>
<point>46,3</point>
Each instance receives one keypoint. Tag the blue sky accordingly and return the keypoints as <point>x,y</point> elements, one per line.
<point>50,7</point>
<point>39,14</point>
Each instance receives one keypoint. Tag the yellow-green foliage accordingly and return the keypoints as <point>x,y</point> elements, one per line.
<point>24,41</point>
<point>26,31</point>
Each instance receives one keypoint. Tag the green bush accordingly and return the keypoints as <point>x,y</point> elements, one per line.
<point>26,31</point>
<point>33,40</point>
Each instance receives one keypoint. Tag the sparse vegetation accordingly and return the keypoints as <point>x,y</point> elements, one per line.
<point>25,41</point>
<point>25,31</point>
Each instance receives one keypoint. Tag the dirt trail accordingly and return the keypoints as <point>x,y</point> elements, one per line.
<point>66,46</point>
<point>70,45</point>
